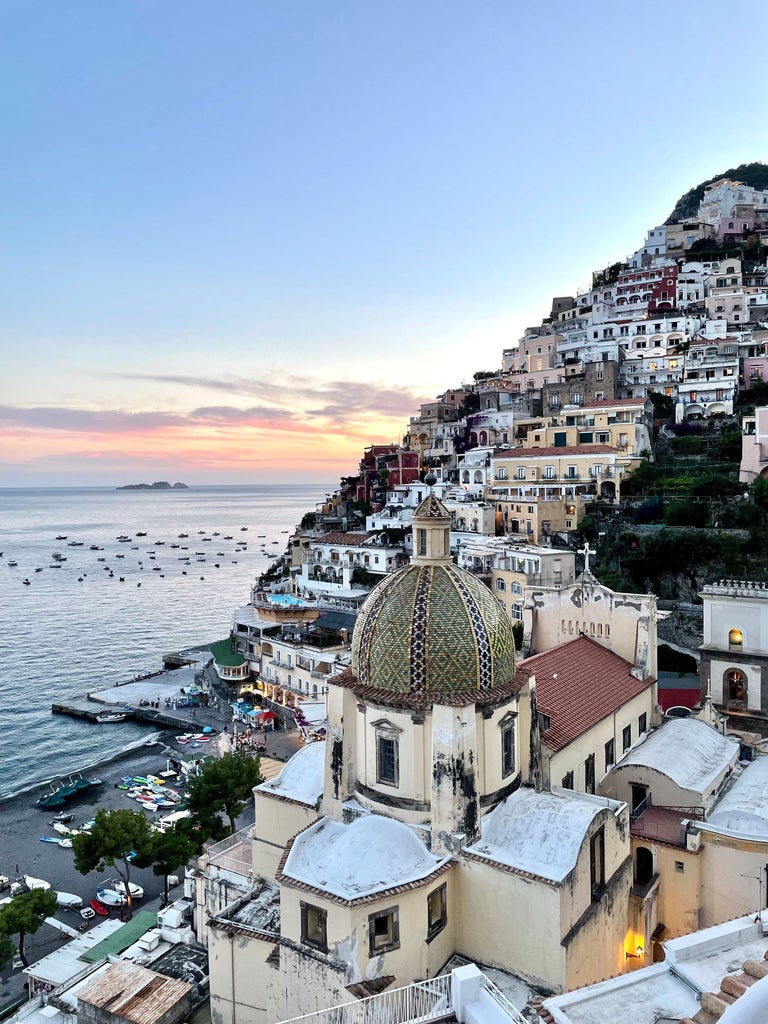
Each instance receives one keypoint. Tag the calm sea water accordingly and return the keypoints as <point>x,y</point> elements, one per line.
<point>75,628</point>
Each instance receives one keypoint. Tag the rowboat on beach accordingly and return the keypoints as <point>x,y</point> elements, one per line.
<point>99,908</point>
<point>49,839</point>
<point>65,844</point>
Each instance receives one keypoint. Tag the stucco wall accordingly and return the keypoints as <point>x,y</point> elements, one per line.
<point>276,821</point>
<point>237,973</point>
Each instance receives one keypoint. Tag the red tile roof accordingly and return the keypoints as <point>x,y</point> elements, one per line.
<point>581,449</point>
<point>577,685</point>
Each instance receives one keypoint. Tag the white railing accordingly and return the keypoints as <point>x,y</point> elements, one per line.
<point>498,996</point>
<point>422,1001</point>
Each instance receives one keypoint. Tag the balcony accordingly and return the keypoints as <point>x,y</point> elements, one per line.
<point>465,995</point>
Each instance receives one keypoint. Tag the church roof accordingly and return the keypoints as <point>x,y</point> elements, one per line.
<point>577,685</point>
<point>433,630</point>
<point>370,855</point>
<point>301,780</point>
<point>690,752</point>
<point>744,808</point>
<point>538,833</point>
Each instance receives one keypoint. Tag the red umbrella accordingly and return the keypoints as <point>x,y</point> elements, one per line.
<point>266,714</point>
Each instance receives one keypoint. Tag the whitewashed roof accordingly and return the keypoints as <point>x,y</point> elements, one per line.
<point>369,855</point>
<point>744,808</point>
<point>691,753</point>
<point>302,777</point>
<point>540,833</point>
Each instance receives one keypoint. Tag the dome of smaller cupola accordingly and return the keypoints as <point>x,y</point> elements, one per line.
<point>432,629</point>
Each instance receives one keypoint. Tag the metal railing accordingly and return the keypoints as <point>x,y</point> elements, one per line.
<point>421,1001</point>
<point>498,996</point>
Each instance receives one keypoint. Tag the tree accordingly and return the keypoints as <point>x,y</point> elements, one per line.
<point>170,850</point>
<point>24,915</point>
<point>223,787</point>
<point>115,839</point>
<point>6,951</point>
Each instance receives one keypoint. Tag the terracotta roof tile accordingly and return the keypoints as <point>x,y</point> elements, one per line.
<point>577,685</point>
<point>581,449</point>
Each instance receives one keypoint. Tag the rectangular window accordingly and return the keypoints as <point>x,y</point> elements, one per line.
<point>679,866</point>
<point>589,774</point>
<point>609,755</point>
<point>597,863</point>
<point>383,931</point>
<point>642,723</point>
<point>508,749</point>
<point>437,912</point>
<point>314,927</point>
<point>387,766</point>
<point>568,780</point>
<point>422,534</point>
<point>626,738</point>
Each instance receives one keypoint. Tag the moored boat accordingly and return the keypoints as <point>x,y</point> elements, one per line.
<point>99,908</point>
<point>110,716</point>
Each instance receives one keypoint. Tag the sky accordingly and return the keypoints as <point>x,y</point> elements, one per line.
<point>243,240</point>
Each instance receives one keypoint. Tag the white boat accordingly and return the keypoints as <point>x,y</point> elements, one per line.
<point>110,716</point>
<point>69,900</point>
<point>66,844</point>
<point>87,913</point>
<point>136,891</point>
<point>62,829</point>
<point>109,897</point>
<point>36,883</point>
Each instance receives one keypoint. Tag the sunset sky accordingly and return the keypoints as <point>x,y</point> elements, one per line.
<point>243,240</point>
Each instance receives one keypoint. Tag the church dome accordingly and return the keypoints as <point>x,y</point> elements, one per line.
<point>431,628</point>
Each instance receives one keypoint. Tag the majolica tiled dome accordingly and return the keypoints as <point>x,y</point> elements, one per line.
<point>432,628</point>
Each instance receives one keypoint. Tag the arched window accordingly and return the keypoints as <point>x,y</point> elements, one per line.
<point>735,638</point>
<point>516,588</point>
<point>501,585</point>
<point>736,688</point>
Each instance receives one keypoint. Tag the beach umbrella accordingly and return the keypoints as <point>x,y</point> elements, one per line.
<point>267,715</point>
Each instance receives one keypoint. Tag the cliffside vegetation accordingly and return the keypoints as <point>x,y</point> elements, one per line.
<point>754,174</point>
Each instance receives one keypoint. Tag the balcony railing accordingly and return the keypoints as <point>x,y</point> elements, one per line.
<point>459,995</point>
<point>422,1001</point>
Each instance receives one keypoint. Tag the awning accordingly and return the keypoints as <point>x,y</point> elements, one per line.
<point>266,715</point>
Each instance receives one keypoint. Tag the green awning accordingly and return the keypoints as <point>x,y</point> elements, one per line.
<point>121,939</point>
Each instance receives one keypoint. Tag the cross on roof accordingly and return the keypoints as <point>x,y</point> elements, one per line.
<point>586,551</point>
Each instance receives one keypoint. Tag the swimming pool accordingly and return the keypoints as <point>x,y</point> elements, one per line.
<point>284,599</point>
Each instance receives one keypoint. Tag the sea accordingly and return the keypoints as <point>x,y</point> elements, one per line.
<point>93,618</point>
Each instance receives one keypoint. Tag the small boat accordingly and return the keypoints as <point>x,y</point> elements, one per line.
<point>95,547</point>
<point>75,544</point>
<point>123,539</point>
<point>228,537</point>
<point>243,528</point>
<point>65,844</point>
<point>62,817</point>
<point>49,839</point>
<point>58,557</point>
<point>61,536</point>
<point>69,900</point>
<point>36,883</point>
<point>99,908</point>
<point>110,716</point>
<point>39,570</point>
<point>141,533</point>
<point>26,582</point>
<point>183,536</point>
<point>109,897</point>
<point>87,913</point>
<point>12,563</point>
<point>61,828</point>
<point>136,891</point>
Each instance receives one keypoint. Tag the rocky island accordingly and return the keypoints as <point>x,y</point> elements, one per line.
<point>158,485</point>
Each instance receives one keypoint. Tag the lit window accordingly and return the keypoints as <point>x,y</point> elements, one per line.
<point>735,638</point>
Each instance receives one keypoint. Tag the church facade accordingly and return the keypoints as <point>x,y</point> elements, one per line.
<point>430,823</point>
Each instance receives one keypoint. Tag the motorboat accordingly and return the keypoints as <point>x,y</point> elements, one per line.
<point>36,883</point>
<point>65,844</point>
<point>109,897</point>
<point>69,900</point>
<point>110,716</point>
<point>62,818</point>
<point>136,891</point>
<point>61,536</point>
